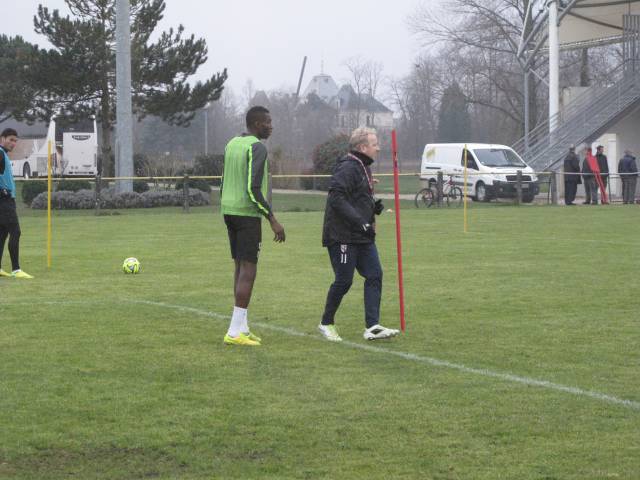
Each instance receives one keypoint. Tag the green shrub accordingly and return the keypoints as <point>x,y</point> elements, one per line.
<point>209,166</point>
<point>140,186</point>
<point>31,189</point>
<point>198,183</point>
<point>325,157</point>
<point>72,185</point>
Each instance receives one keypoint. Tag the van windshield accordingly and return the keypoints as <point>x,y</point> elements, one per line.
<point>498,157</point>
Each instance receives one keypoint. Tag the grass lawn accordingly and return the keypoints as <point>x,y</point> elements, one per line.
<point>408,184</point>
<point>109,376</point>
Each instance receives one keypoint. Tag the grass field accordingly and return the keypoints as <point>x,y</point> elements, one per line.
<point>521,358</point>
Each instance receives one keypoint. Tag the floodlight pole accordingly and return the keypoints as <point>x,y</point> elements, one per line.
<point>554,65</point>
<point>124,123</point>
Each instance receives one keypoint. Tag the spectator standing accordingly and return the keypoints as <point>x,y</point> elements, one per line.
<point>588,177</point>
<point>628,170</point>
<point>603,165</point>
<point>571,176</point>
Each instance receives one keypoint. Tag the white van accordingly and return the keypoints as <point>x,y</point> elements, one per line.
<point>491,170</point>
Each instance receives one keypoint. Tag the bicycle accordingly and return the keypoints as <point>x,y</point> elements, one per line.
<point>450,192</point>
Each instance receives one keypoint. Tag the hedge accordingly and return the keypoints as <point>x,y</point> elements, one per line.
<point>85,199</point>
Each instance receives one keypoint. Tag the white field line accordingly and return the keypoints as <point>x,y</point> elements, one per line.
<point>507,377</point>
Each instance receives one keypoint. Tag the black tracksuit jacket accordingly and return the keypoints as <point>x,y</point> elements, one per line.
<point>350,203</point>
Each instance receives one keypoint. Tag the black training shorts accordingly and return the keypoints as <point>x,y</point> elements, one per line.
<point>245,237</point>
<point>8,214</point>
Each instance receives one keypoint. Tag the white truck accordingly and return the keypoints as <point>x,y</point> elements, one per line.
<point>491,169</point>
<point>74,151</point>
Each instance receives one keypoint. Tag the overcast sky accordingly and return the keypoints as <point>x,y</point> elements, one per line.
<point>266,41</point>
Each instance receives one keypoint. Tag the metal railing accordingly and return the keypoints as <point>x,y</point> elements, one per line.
<point>581,121</point>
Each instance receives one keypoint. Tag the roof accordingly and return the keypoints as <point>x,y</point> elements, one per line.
<point>582,23</point>
<point>323,86</point>
<point>588,20</point>
<point>347,99</point>
<point>470,146</point>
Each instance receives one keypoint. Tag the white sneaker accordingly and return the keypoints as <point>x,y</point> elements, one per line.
<point>378,331</point>
<point>329,332</point>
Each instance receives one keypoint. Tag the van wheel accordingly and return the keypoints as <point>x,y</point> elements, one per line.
<point>481,193</point>
<point>26,171</point>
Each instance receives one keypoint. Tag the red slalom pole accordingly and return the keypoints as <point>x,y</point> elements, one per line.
<point>396,188</point>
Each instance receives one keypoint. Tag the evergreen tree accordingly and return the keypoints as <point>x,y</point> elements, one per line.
<point>82,66</point>
<point>18,64</point>
<point>454,121</point>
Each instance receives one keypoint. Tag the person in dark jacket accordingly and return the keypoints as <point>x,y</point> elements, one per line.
<point>349,233</point>
<point>571,176</point>
<point>589,180</point>
<point>628,170</point>
<point>603,164</point>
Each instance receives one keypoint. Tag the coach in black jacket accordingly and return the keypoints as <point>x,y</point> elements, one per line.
<point>571,176</point>
<point>349,235</point>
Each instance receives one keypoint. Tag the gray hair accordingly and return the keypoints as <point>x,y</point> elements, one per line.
<point>360,136</point>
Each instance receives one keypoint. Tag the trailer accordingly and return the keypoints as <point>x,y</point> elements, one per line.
<point>74,150</point>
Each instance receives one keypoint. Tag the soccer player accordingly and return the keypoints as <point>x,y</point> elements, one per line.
<point>244,187</point>
<point>9,225</point>
<point>349,233</point>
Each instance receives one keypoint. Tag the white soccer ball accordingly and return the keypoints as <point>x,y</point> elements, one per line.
<point>131,265</point>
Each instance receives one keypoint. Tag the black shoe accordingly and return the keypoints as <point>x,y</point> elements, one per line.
<point>586,203</point>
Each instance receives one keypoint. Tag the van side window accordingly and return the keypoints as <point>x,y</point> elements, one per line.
<point>471,163</point>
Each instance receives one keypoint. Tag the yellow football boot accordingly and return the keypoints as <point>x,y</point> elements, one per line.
<point>21,274</point>
<point>241,339</point>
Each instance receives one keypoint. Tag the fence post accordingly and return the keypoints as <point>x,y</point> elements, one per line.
<point>98,186</point>
<point>439,188</point>
<point>185,193</point>
<point>553,186</point>
<point>519,187</point>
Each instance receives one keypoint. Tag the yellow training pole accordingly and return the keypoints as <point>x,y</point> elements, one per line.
<point>464,194</point>
<point>49,204</point>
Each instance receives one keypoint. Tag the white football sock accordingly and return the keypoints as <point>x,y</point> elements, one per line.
<point>238,323</point>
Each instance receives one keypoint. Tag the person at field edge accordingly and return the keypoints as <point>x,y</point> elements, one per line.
<point>588,178</point>
<point>603,166</point>
<point>245,179</point>
<point>349,232</point>
<point>628,170</point>
<point>9,225</point>
<point>571,176</point>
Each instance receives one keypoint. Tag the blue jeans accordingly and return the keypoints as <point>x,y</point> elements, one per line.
<point>345,258</point>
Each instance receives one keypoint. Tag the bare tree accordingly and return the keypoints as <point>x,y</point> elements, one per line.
<point>358,68</point>
<point>481,39</point>
<point>373,77</point>
<point>248,91</point>
<point>416,98</point>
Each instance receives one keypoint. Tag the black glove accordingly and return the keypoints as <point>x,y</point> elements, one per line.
<point>4,193</point>
<point>369,231</point>
<point>379,208</point>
